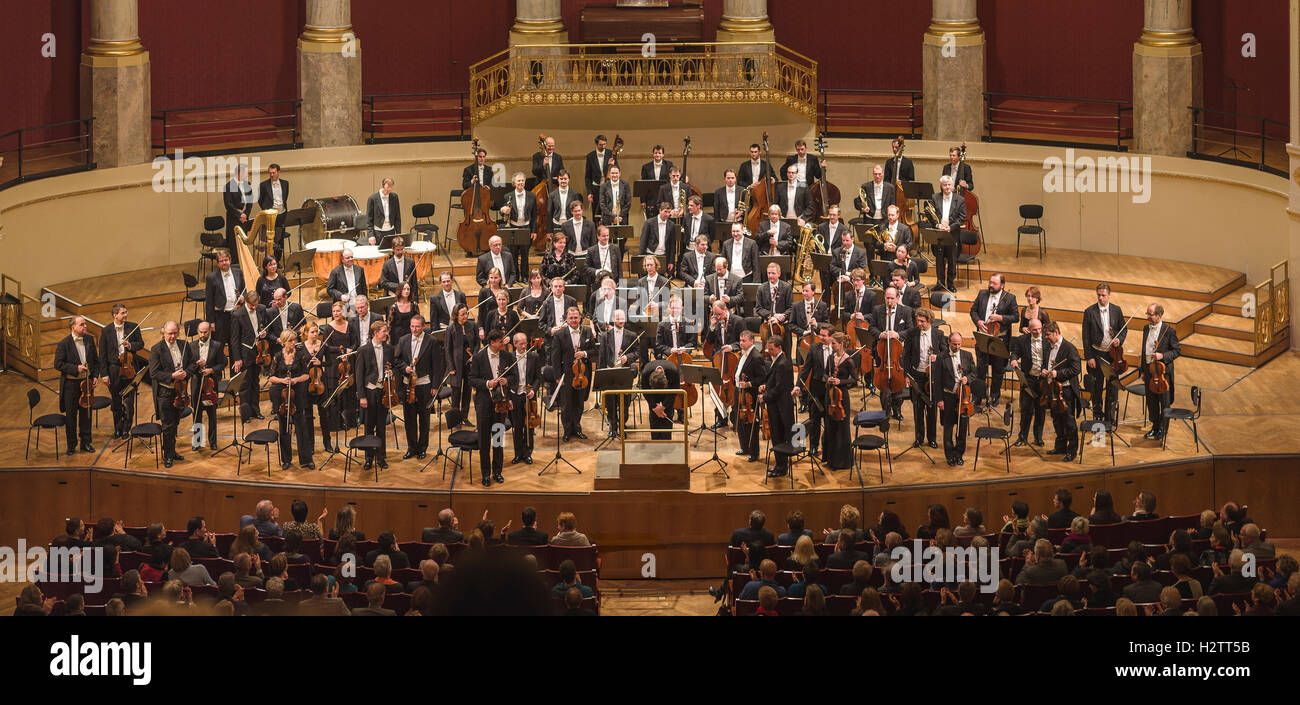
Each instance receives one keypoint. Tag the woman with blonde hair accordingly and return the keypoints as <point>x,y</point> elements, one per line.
<point>291,401</point>
<point>187,572</point>
<point>803,552</point>
<point>1124,607</point>
<point>246,541</point>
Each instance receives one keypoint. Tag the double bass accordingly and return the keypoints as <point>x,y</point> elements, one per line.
<point>972,208</point>
<point>760,193</point>
<point>686,190</point>
<point>477,227</point>
<point>823,194</point>
<point>900,197</point>
<point>542,192</point>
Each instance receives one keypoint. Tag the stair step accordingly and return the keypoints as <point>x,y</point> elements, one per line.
<point>1223,349</point>
<point>1233,303</point>
<point>1227,326</point>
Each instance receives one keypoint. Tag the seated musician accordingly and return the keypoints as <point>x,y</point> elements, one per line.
<point>694,266</point>
<point>496,257</point>
<point>793,200</point>
<point>773,236</point>
<point>1027,354</point>
<point>384,211</point>
<point>894,234</point>
<point>955,368</point>
<point>880,196</point>
<point>723,287</point>
<point>742,254</point>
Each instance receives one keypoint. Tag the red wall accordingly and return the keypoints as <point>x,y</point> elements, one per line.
<point>1219,26</point>
<point>887,56</point>
<point>412,46</point>
<point>38,90</point>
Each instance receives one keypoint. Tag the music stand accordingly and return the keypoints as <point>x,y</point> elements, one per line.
<point>380,304</point>
<point>879,270</point>
<point>721,231</point>
<point>386,242</point>
<point>298,218</point>
<point>991,345</point>
<point>703,376</point>
<point>919,395</point>
<point>127,389</point>
<point>647,191</point>
<point>578,292</point>
<point>749,297</point>
<point>237,420</point>
<point>435,405</point>
<point>945,239</point>
<point>548,376</point>
<point>613,378</point>
<point>619,235</point>
<point>821,263</point>
<point>783,261</point>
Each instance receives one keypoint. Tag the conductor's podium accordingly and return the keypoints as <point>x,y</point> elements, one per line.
<point>641,462</point>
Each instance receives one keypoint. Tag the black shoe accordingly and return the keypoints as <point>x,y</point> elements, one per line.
<point>259,417</point>
<point>1068,457</point>
<point>612,434</point>
<point>1158,436</point>
<point>566,438</point>
<point>898,416</point>
<point>421,454</point>
<point>741,453</point>
<point>87,448</point>
<point>1039,442</point>
<point>309,466</point>
<point>499,477</point>
<point>1055,451</point>
<point>212,446</point>
<point>487,482</point>
<point>528,460</point>
<point>918,443</point>
<point>167,462</point>
<point>285,466</point>
<point>515,460</point>
<point>408,455</point>
<point>581,435</point>
<point>383,464</point>
<point>369,464</point>
<point>178,457</point>
<point>719,424</point>
<point>1019,442</point>
<point>1149,434</point>
<point>950,463</point>
<point>933,444</point>
<point>716,594</point>
<point>752,458</point>
<point>72,450</point>
<point>961,461</point>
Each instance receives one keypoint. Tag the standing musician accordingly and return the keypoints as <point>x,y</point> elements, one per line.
<point>558,260</point>
<point>742,254</point>
<point>896,234</point>
<point>238,199</point>
<point>774,299</point>
<point>384,212</point>
<point>964,178</point>
<point>845,258</point>
<point>890,320</point>
<point>652,287</point>
<point>657,168</point>
<point>286,315</point>
<point>923,346</point>
<point>498,258</point>
<point>723,287</point>
<point>792,198</point>
<point>774,236</point>
<point>404,306</point>
<point>604,256</point>
<point>1159,344</point>
<point>487,297</point>
<point>533,295</point>
<point>672,193</point>
<point>274,193</point>
<point>909,296</point>
<point>862,302</point>
<point>414,355</point>
<point>603,305</point>
<point>807,170</point>
<point>1067,429</point>
<point>615,199</point>
<point>168,360</point>
<point>906,172</point>
<point>1033,308</point>
<point>398,270</point>
<point>75,359</point>
<point>750,372</point>
<point>462,341</point>
<point>554,311</point>
<point>834,229</point>
<point>951,212</point>
<point>660,236</point>
<point>443,302</point>
<point>726,200</point>
<point>207,350</point>
<point>573,342</point>
<point>547,165</point>
<point>120,338</point>
<point>673,335</point>
<point>617,349</point>
<point>816,367</point>
<point>222,289</point>
<point>902,260</point>
<point>723,334</point>
<point>579,232</point>
<point>313,351</point>
<point>480,170</point>
<point>994,305</point>
<point>1029,353</point>
<point>338,339</point>
<point>806,314</point>
<point>347,281</point>
<point>527,370</point>
<point>502,316</point>
<point>598,161</point>
<point>361,322</point>
<point>272,278</point>
<point>561,200</point>
<point>697,223</point>
<point>1103,329</point>
<point>779,402</point>
<point>247,326</point>
<point>837,438</point>
<point>290,370</point>
<point>954,368</point>
<point>880,196</point>
<point>371,363</point>
<point>754,169</point>
<point>519,211</point>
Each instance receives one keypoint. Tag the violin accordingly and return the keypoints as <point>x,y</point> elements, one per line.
<point>580,380</point>
<point>126,364</point>
<point>208,390</point>
<point>1157,383</point>
<point>315,380</point>
<point>965,404</point>
<point>1051,392</point>
<point>287,407</point>
<point>391,398</point>
<point>746,404</point>
<point>263,348</point>
<point>182,390</point>
<point>87,398</point>
<point>532,417</point>
<point>835,403</point>
<point>410,384</point>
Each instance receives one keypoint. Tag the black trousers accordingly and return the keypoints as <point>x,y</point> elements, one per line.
<point>781,420</point>
<point>1031,412</point>
<point>1105,394</point>
<point>209,420</point>
<point>278,247</point>
<point>1067,428</point>
<point>461,391</point>
<point>612,411</point>
<point>303,425</point>
<point>250,397</point>
<point>955,427</point>
<point>522,436</point>
<point>746,433</point>
<point>417,419</point>
<point>571,402</point>
<point>1156,405</point>
<point>491,447</point>
<point>221,332</point>
<point>76,419</point>
<point>945,265</point>
<point>890,403</point>
<point>999,364</point>
<point>123,409</point>
<point>169,416</point>
<point>376,417</point>
<point>924,417</point>
<point>816,400</point>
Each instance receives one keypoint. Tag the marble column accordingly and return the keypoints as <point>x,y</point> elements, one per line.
<point>115,85</point>
<point>1167,78</point>
<point>745,21</point>
<point>537,22</point>
<point>329,76</point>
<point>952,72</point>
<point>1293,151</point>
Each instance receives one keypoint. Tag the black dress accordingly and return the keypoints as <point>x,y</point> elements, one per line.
<point>561,267</point>
<point>462,343</point>
<point>302,419</point>
<point>1042,316</point>
<point>340,414</point>
<point>837,436</point>
<point>506,323</point>
<point>266,287</point>
<point>487,305</point>
<point>400,323</point>
<point>533,302</point>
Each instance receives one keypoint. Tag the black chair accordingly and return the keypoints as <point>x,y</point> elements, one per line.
<point>868,442</point>
<point>150,432</point>
<point>263,437</point>
<point>1088,430</point>
<point>453,203</point>
<point>99,404</point>
<point>360,444</point>
<point>939,301</point>
<point>1138,390</point>
<point>992,434</point>
<point>50,421</point>
<point>426,230</point>
<point>193,293</point>
<point>325,310</point>
<point>211,239</point>
<point>969,237</point>
<point>1184,415</point>
<point>795,454</point>
<point>462,441</point>
<point>1031,212</point>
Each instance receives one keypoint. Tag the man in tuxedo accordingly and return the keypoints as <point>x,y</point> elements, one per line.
<point>1067,429</point>
<point>899,168</point>
<point>282,315</point>
<point>247,327</point>
<point>603,256</point>
<point>168,362</point>
<point>384,211</point>
<point>222,288</point>
<point>890,320</point>
<point>1028,353</point>
<point>807,313</point>
<point>528,369</point>
<point>598,161</point>
<point>238,199</point>
<point>950,208</point>
<point>603,304</point>
<point>561,200</point>
<point>347,281</point>
<point>651,288</point>
<point>674,335</point>
<point>694,266</point>
<point>723,334</point>
<point>659,237</point>
<point>696,222</point>
<point>909,296</point>
<point>774,236</point>
<point>811,385</point>
<point>1104,329</point>
<point>480,171</point>
<point>963,180</point>
<point>845,258</point>
<point>369,369</point>
<point>896,234</point>
<point>359,327</point>
<point>807,169</point>
<point>206,360</point>
<point>1159,344</point>
<point>414,355</point>
<point>75,359</point>
<point>615,198</point>
<point>519,209</point>
<point>994,305</point>
<point>793,199</point>
<point>880,196</point>
<point>833,229</point>
<point>774,300</point>
<point>923,346</point>
<point>726,200</point>
<point>723,287</point>
<point>660,374</point>
<point>573,342</point>
<point>547,164</point>
<point>674,192</point>
<point>742,254</point>
<point>398,270</point>
<point>956,367</point>
<point>750,372</point>
<point>657,168</point>
<point>553,313</point>
<point>499,257</point>
<point>273,192</point>
<point>861,302</point>
<point>579,233</point>
<point>776,393</point>
<point>754,169</point>
<point>619,347</point>
<point>444,301</point>
<point>114,340</point>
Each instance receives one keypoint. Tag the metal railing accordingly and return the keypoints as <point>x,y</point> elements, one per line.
<point>46,150</point>
<point>1272,306</point>
<point>1247,145</point>
<point>871,113</point>
<point>415,117</point>
<point>1054,120</point>
<point>678,73</point>
<point>231,128</point>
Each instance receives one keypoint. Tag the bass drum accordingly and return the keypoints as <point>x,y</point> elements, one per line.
<point>336,217</point>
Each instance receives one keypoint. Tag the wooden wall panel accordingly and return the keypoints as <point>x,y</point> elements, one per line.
<point>34,504</point>
<point>1270,486</point>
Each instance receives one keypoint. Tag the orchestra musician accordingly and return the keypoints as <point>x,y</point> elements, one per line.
<point>1159,343</point>
<point>754,169</point>
<point>893,172</point>
<point>1103,328</point>
<point>657,168</point>
<point>671,193</point>
<point>726,200</point>
<point>222,289</point>
<point>813,373</point>
<point>480,170</point>
<point>833,229</point>
<point>598,161</point>
<point>498,258</point>
<point>880,196</point>
<point>273,192</point>
<point>890,320</point>
<point>807,313</point>
<point>774,236</point>
<point>923,346</point>
<point>561,199</point>
<point>742,254</point>
<point>414,356</point>
<point>347,281</point>
<point>312,349</point>
<point>75,359</point>
<point>615,198</point>
<point>774,299</point>
<point>994,305</point>
<point>207,349</point>
<point>651,287</point>
<point>361,321</point>
<point>579,232</point>
<point>909,296</point>
<point>750,372</point>
<point>846,257</point>
<point>558,260</point>
<point>723,334</point>
<point>533,295</point>
<point>604,256</point>
<point>807,170</point>
<point>122,337</point>
<point>603,305</point>
<point>284,315</point>
<point>528,370</point>
<point>547,164</point>
<point>660,237</point>
<point>246,329</point>
<point>271,279</point>
<point>372,363</point>
<point>837,438</point>
<point>503,316</point>
<point>964,178</point>
<point>168,360</point>
<point>338,338</point>
<point>290,370</point>
<point>694,266</point>
<point>723,287</point>
<point>442,304</point>
<point>384,211</point>
<point>1067,429</point>
<point>951,211</point>
<point>1028,353</point>
<point>571,343</point>
<point>1033,308</point>
<point>793,199</point>
<point>955,367</point>
<point>778,401</point>
<point>519,210</point>
<point>673,335</point>
<point>398,270</point>
<point>403,308</point>
<point>462,340</point>
<point>238,200</point>
<point>617,349</point>
<point>896,234</point>
<point>553,312</point>
<point>862,302</point>
<point>902,260</point>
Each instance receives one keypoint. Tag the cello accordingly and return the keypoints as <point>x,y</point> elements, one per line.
<point>477,227</point>
<point>542,192</point>
<point>823,194</point>
<point>890,375</point>
<point>760,193</point>
<point>692,394</point>
<point>972,207</point>
<point>853,330</point>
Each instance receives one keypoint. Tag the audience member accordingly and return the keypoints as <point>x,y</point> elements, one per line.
<point>1143,588</point>
<point>754,531</point>
<point>375,594</point>
<point>795,523</point>
<point>305,530</point>
<point>528,535</point>
<point>1061,518</point>
<point>265,515</point>
<point>1144,507</point>
<point>1103,509</point>
<point>567,534</point>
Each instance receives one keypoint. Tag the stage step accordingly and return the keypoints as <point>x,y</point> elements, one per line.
<point>1227,326</point>
<point>1233,304</point>
<point>1232,350</point>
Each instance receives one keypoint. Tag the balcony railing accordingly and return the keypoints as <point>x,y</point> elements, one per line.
<point>1032,119</point>
<point>46,150</point>
<point>677,73</point>
<point>232,128</point>
<point>871,113</point>
<point>415,117</point>
<point>1233,138</point>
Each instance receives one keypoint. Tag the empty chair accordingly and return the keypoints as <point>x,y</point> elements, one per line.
<point>211,239</point>
<point>50,421</point>
<point>263,437</point>
<point>1192,415</point>
<point>1032,212</point>
<point>193,294</point>
<point>994,434</point>
<point>969,237</point>
<point>462,441</point>
<point>426,230</point>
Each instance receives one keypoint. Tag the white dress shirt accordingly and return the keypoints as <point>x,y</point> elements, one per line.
<point>416,341</point>
<point>383,201</point>
<point>228,281</point>
<point>379,365</point>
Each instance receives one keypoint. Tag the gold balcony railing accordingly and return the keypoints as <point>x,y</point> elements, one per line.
<point>620,74</point>
<point>1272,306</point>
